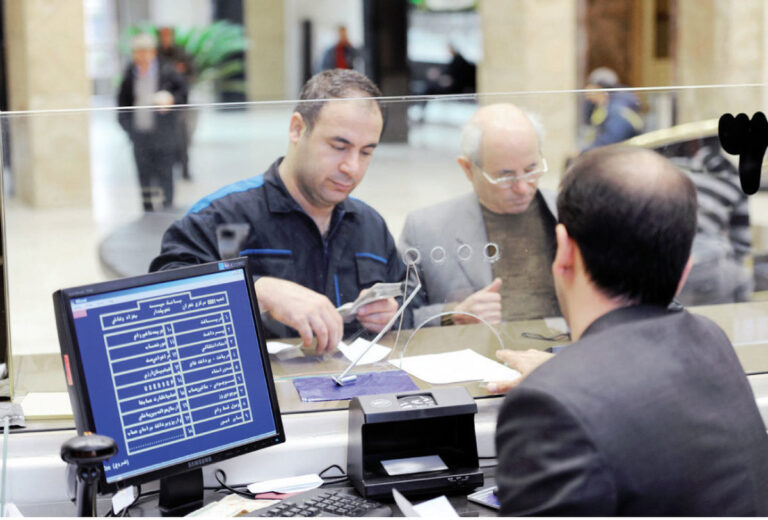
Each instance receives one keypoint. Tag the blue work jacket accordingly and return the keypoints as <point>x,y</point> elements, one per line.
<point>258,218</point>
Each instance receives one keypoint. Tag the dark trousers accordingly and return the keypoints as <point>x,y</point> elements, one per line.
<point>155,168</point>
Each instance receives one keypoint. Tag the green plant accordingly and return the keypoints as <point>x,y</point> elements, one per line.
<point>215,50</point>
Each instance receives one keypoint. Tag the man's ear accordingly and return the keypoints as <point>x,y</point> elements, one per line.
<point>565,255</point>
<point>296,127</point>
<point>684,276</point>
<point>466,166</point>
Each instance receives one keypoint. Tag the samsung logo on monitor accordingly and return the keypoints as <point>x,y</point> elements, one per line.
<point>199,462</point>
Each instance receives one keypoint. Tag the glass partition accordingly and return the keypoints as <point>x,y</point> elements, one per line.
<point>76,212</point>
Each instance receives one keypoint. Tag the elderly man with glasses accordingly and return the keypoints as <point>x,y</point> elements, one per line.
<point>488,254</point>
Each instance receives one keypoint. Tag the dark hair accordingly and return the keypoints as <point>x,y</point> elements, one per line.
<point>633,216</point>
<point>333,84</point>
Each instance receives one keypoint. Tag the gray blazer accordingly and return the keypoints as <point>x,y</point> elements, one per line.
<point>648,414</point>
<point>450,239</point>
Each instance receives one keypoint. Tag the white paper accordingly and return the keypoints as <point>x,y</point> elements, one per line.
<point>287,485</point>
<point>46,405</point>
<point>557,324</point>
<point>12,511</point>
<point>456,367</point>
<point>230,506</point>
<point>353,351</point>
<point>413,465</point>
<point>123,499</point>
<point>438,507</point>
<point>275,347</point>
<point>405,506</point>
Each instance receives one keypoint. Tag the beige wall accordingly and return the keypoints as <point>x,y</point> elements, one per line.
<point>531,45</point>
<point>720,42</point>
<point>265,58</point>
<point>45,48</point>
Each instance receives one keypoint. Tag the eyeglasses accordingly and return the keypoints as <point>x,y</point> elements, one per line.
<point>530,177</point>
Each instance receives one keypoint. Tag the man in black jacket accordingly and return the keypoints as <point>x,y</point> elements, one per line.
<point>649,412</point>
<point>155,132</point>
<point>311,247</point>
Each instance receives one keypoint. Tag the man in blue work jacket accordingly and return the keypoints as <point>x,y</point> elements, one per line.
<point>311,248</point>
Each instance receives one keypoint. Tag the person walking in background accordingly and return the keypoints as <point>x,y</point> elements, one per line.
<point>341,55</point>
<point>184,65</point>
<point>612,117</point>
<point>154,132</point>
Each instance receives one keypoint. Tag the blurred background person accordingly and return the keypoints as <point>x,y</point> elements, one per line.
<point>457,77</point>
<point>342,54</point>
<point>184,65</point>
<point>154,132</point>
<point>723,237</point>
<point>611,117</point>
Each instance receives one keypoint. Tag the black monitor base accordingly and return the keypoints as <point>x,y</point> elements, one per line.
<point>182,493</point>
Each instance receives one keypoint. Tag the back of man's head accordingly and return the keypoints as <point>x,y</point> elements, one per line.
<point>333,84</point>
<point>633,216</point>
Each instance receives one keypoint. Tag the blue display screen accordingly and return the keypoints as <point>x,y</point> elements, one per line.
<point>173,371</point>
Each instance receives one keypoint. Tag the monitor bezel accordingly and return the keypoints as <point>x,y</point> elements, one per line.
<point>78,389</point>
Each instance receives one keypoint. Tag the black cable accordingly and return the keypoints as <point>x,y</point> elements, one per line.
<point>329,468</point>
<point>221,478</point>
<point>336,479</point>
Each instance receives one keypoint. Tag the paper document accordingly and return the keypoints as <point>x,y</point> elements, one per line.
<point>353,351</point>
<point>276,347</point>
<point>438,507</point>
<point>455,367</point>
<point>287,485</point>
<point>413,465</point>
<point>231,505</point>
<point>47,405</point>
<point>557,324</point>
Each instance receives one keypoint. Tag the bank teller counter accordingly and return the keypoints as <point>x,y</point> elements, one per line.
<point>428,340</point>
<point>745,324</point>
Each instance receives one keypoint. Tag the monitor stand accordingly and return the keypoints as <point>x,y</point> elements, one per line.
<point>182,493</point>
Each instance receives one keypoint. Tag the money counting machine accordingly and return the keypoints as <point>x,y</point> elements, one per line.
<point>420,442</point>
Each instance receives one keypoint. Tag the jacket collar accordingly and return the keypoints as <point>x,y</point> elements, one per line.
<point>625,315</point>
<point>279,199</point>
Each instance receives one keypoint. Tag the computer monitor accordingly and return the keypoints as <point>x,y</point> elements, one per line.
<point>174,367</point>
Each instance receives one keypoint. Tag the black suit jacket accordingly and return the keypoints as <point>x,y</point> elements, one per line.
<point>649,414</point>
<point>166,131</point>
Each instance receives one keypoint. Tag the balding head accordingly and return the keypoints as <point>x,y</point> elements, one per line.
<point>503,119</point>
<point>632,214</point>
<point>502,141</point>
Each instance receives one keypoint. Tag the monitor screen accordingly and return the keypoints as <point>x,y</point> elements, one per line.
<point>172,366</point>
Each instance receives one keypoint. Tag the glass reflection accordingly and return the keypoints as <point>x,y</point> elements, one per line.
<point>56,237</point>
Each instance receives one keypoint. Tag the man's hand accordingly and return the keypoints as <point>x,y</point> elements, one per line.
<point>163,99</point>
<point>485,303</point>
<point>375,315</point>
<point>524,361</point>
<point>308,312</point>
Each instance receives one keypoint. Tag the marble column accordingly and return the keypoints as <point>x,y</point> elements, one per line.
<point>531,45</point>
<point>265,57</point>
<point>720,42</point>
<point>50,152</point>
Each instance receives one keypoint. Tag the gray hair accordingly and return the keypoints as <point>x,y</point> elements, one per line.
<point>472,136</point>
<point>604,77</point>
<point>143,41</point>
